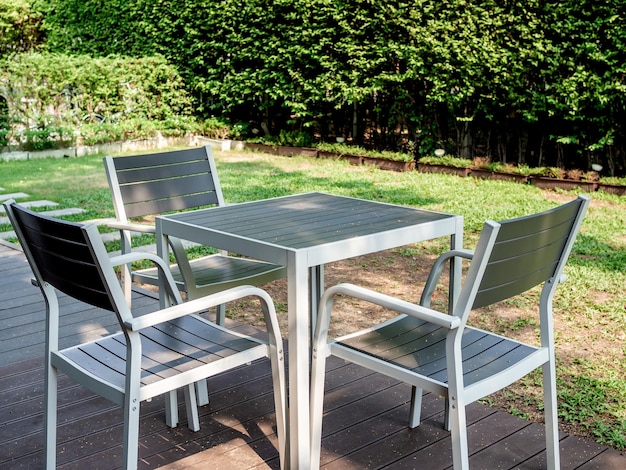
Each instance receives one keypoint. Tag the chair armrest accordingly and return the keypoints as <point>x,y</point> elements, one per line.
<point>118,260</point>
<point>437,269</point>
<point>140,228</point>
<point>418,311</point>
<point>204,303</point>
<point>164,270</point>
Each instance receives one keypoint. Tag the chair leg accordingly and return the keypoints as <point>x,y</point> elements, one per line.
<point>317,407</point>
<point>171,409</point>
<point>131,429</point>
<point>220,314</point>
<point>416,407</point>
<point>202,389</point>
<point>551,417</point>
<point>192,400</point>
<point>50,425</point>
<point>193,422</point>
<point>202,392</point>
<point>279,383</point>
<point>446,414</point>
<point>458,433</point>
<point>126,274</point>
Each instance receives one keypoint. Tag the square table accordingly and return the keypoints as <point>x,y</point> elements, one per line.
<point>303,232</point>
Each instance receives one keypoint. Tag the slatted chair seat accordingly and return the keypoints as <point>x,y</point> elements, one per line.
<point>188,345</point>
<point>438,352</point>
<point>215,273</point>
<point>154,353</point>
<point>419,347</point>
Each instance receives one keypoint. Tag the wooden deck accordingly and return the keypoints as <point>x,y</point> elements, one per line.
<point>364,426</point>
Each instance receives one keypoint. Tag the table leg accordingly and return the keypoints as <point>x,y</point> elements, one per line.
<point>162,246</point>
<point>456,243</point>
<point>316,289</point>
<point>299,360</point>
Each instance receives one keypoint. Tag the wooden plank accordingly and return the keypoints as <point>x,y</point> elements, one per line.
<point>102,425</point>
<point>366,443</point>
<point>514,449</point>
<point>607,459</point>
<point>575,451</point>
<point>428,445</point>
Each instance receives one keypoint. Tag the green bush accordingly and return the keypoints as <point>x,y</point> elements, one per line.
<point>294,139</point>
<point>4,137</point>
<point>215,128</point>
<point>46,137</point>
<point>100,133</point>
<point>447,160</point>
<point>46,88</point>
<point>535,82</point>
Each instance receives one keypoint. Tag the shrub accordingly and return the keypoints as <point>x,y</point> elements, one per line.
<point>340,149</point>
<point>294,139</point>
<point>553,172</point>
<point>4,136</point>
<point>215,128</point>
<point>446,160</point>
<point>55,88</point>
<point>574,174</point>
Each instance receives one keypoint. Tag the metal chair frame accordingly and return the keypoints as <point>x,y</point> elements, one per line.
<point>154,353</point>
<point>438,352</point>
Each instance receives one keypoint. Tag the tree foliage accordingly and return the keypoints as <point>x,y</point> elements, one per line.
<point>532,81</point>
<point>19,26</point>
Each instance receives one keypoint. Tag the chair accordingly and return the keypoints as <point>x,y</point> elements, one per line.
<point>438,352</point>
<point>144,186</point>
<point>155,353</point>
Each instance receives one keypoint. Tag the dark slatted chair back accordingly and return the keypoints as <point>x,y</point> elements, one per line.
<point>166,182</point>
<point>63,255</point>
<point>527,251</point>
<point>181,180</point>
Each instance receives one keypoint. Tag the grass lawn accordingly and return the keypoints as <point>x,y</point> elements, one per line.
<point>590,308</point>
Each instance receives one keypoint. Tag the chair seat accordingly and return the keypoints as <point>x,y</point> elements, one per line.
<point>187,345</point>
<point>218,272</point>
<point>420,347</point>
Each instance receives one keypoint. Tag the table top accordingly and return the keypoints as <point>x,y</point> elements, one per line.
<point>311,221</point>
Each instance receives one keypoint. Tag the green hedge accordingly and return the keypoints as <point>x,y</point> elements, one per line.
<point>537,82</point>
<point>47,94</point>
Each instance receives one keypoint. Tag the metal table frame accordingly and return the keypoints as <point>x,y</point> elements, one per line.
<point>304,232</point>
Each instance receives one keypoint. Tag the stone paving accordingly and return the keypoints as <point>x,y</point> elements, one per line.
<point>49,209</point>
<point>23,200</point>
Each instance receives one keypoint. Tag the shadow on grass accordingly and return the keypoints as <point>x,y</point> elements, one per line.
<point>590,253</point>
<point>272,181</point>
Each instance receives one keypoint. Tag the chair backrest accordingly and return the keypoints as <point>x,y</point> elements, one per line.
<point>516,255</point>
<point>163,182</point>
<point>62,254</point>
